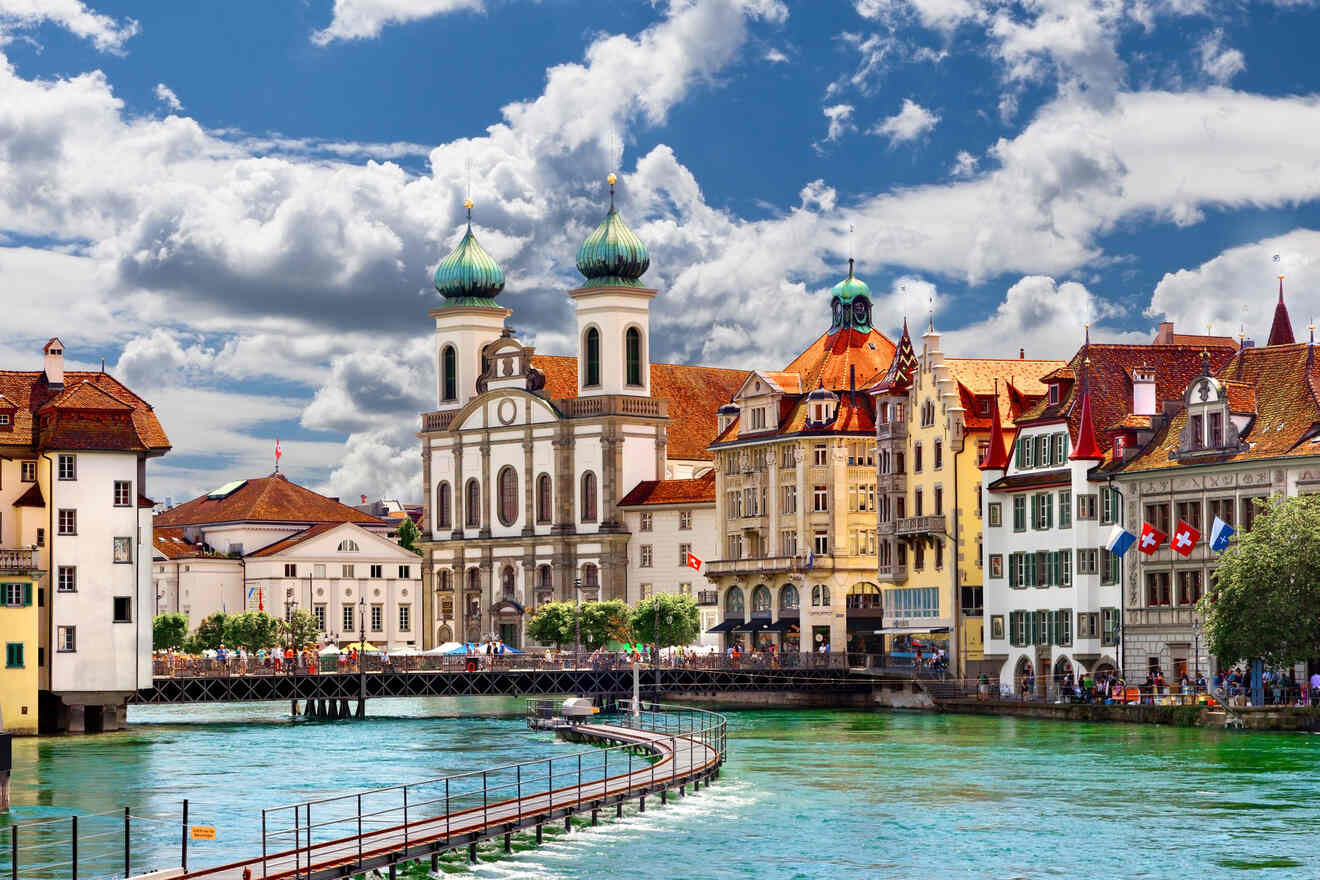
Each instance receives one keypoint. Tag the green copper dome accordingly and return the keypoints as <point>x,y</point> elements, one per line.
<point>850,288</point>
<point>469,276</point>
<point>613,255</point>
<point>850,304</point>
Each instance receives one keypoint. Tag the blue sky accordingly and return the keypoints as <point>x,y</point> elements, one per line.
<point>238,205</point>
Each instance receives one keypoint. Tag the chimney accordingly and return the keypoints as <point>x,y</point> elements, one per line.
<point>1022,354</point>
<point>54,352</point>
<point>1165,334</point>
<point>364,499</point>
<point>1143,391</point>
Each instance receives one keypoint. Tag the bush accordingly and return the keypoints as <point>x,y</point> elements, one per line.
<point>169,631</point>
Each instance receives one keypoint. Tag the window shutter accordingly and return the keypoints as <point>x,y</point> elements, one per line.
<point>1049,509</point>
<point>27,594</point>
<point>1035,511</point>
<point>1012,570</point>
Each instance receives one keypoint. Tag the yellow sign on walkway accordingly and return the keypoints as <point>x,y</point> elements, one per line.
<point>203,832</point>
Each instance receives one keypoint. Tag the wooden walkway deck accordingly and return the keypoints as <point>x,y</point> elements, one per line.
<point>682,759</point>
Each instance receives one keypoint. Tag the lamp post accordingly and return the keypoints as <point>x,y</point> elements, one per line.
<point>362,672</point>
<point>577,619</point>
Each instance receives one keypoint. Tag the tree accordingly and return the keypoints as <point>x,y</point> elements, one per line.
<point>252,630</point>
<point>409,535</point>
<point>680,622</point>
<point>1267,588</point>
<point>169,631</point>
<point>210,633</point>
<point>600,622</point>
<point>300,630</point>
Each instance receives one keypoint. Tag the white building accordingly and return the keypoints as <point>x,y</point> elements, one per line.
<point>271,544</point>
<point>73,452</point>
<point>526,458</point>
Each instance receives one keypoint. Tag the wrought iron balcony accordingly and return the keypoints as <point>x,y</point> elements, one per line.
<point>920,526</point>
<point>18,559</point>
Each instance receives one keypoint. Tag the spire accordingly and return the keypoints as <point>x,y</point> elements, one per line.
<point>1281,332</point>
<point>996,458</point>
<point>1087,448</point>
<point>904,364</point>
<point>613,255</point>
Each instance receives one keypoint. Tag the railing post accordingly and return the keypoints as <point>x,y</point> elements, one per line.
<point>13,851</point>
<point>297,841</point>
<point>405,820</point>
<point>183,838</point>
<point>309,840</point>
<point>485,815</point>
<point>263,847</point>
<point>446,810</point>
<point>550,783</point>
<point>359,824</point>
<point>579,796</point>
<point>75,848</point>
<point>128,845</point>
<point>519,770</point>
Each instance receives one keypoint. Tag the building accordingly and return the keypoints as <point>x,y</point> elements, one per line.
<point>1231,436</point>
<point>527,456</point>
<point>796,492</point>
<point>74,448</point>
<point>20,620</point>
<point>269,544</point>
<point>1053,594</point>
<point>933,430</point>
<point>673,521</point>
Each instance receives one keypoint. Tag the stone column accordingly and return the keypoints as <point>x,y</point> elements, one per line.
<point>458,493</point>
<point>426,615</point>
<point>485,486</point>
<point>487,591</point>
<point>661,451</point>
<point>75,718</point>
<point>565,486</point>
<point>529,480</point>
<point>612,476</point>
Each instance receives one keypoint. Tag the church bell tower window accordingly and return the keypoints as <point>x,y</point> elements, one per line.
<point>592,344</point>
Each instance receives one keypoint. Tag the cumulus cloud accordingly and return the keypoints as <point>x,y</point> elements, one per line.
<point>908,124</point>
<point>964,164</point>
<point>840,120</point>
<point>942,15</point>
<point>365,19</point>
<point>166,96</point>
<point>1219,62</point>
<point>105,32</point>
<point>774,56</point>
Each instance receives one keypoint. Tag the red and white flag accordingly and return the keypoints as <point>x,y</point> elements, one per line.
<point>693,561</point>
<point>1151,538</point>
<point>277,450</point>
<point>1184,538</point>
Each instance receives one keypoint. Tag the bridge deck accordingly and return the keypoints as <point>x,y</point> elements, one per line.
<point>681,758</point>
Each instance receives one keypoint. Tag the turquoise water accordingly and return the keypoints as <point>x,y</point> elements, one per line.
<point>806,794</point>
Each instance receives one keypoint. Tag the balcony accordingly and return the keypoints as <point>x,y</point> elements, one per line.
<point>758,565</point>
<point>708,597</point>
<point>896,483</point>
<point>892,573</point>
<point>921,526</point>
<point>19,559</point>
<point>891,431</point>
<point>437,421</point>
<point>1184,617</point>
<point>885,528</point>
<point>611,405</point>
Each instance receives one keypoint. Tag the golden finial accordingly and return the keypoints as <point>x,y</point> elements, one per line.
<point>467,203</point>
<point>612,179</point>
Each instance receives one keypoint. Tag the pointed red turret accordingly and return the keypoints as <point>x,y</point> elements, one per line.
<point>1281,332</point>
<point>996,458</point>
<point>1087,448</point>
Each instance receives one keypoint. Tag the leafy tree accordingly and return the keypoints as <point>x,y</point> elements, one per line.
<point>1267,587</point>
<point>169,630</point>
<point>252,630</point>
<point>409,535</point>
<point>210,633</point>
<point>300,630</point>
<point>600,622</point>
<point>680,622</point>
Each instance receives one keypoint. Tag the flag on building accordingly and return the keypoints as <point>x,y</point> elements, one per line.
<point>693,561</point>
<point>1220,532</point>
<point>1120,541</point>
<point>261,601</point>
<point>811,559</point>
<point>1151,539</point>
<point>278,453</point>
<point>1184,538</point>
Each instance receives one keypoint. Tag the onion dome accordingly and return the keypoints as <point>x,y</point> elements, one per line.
<point>613,255</point>
<point>469,276</point>
<point>850,304</point>
<point>851,287</point>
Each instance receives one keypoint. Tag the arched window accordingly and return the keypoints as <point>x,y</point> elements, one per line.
<point>444,635</point>
<point>443,515</point>
<point>820,596</point>
<point>507,481</point>
<point>449,373</point>
<point>543,581</point>
<point>788,598</point>
<point>864,596</point>
<point>472,504</point>
<point>348,545</point>
<point>474,578</point>
<point>734,604</point>
<point>544,503</point>
<point>592,357</point>
<point>506,581</point>
<point>589,497</point>
<point>445,580</point>
<point>590,577</point>
<point>761,599</point>
<point>632,343</point>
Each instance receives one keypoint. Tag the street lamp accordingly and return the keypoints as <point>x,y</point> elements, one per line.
<point>577,619</point>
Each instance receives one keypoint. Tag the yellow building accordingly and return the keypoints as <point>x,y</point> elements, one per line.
<point>18,632</point>
<point>933,420</point>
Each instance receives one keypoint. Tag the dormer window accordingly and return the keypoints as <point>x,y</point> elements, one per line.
<point>984,406</point>
<point>1215,438</point>
<point>1198,432</point>
<point>1208,428</point>
<point>1054,394</point>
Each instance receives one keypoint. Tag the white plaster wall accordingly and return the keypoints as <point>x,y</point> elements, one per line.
<point>613,311</point>
<point>638,459</point>
<point>587,456</point>
<point>508,454</point>
<point>468,330</point>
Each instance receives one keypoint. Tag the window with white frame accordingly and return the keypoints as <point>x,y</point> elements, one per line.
<point>647,552</point>
<point>822,543</point>
<point>820,498</point>
<point>913,602</point>
<point>683,551</point>
<point>645,524</point>
<point>685,520</point>
<point>28,471</point>
<point>820,455</point>
<point>67,467</point>
<point>405,618</point>
<point>68,579</point>
<point>347,619</point>
<point>405,572</point>
<point>318,612</point>
<point>123,493</point>
<point>68,521</point>
<point>66,639</point>
<point>377,618</point>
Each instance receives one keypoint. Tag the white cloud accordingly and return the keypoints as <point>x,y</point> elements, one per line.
<point>106,33</point>
<point>774,56</point>
<point>1219,62</point>
<point>964,165</point>
<point>364,19</point>
<point>840,120</point>
<point>908,124</point>
<point>166,96</point>
<point>942,15</point>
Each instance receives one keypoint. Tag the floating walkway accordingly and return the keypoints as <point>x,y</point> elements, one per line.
<point>652,752</point>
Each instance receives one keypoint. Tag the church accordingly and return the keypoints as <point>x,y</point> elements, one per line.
<point>527,457</point>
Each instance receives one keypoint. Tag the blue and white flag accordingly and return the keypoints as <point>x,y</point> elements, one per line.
<point>1120,539</point>
<point>1220,532</point>
<point>251,590</point>
<point>811,559</point>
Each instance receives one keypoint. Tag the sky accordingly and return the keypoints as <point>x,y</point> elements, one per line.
<point>239,206</point>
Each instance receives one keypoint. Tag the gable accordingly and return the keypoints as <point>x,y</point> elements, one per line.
<point>508,408</point>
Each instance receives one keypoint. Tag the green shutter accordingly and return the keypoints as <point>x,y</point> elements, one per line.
<point>1012,570</point>
<point>27,594</point>
<point>1048,498</point>
<point>1035,510</point>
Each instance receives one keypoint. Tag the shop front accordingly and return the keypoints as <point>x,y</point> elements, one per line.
<point>865,619</point>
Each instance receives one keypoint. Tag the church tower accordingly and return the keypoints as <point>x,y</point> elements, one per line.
<point>469,279</point>
<point>613,311</point>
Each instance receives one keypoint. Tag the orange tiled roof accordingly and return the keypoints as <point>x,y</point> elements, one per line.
<point>698,490</point>
<point>694,393</point>
<point>1204,341</point>
<point>173,543</point>
<point>266,499</point>
<point>1020,385</point>
<point>82,414</point>
<point>1241,396</point>
<point>1132,422</point>
<point>295,539</point>
<point>828,360</point>
<point>789,383</point>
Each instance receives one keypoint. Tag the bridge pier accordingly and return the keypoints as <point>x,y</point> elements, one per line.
<point>538,833</point>
<point>472,852</point>
<point>343,708</point>
<point>618,810</point>
<point>682,791</point>
<point>293,708</point>
<point>595,816</point>
<point>664,796</point>
<point>361,708</point>
<point>641,804</point>
<point>435,862</point>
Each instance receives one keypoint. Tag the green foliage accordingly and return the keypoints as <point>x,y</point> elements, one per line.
<point>252,630</point>
<point>169,630</point>
<point>300,630</point>
<point>680,622</point>
<point>600,622</point>
<point>409,535</point>
<point>1267,588</point>
<point>210,633</point>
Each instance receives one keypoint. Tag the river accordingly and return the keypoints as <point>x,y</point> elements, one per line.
<point>805,794</point>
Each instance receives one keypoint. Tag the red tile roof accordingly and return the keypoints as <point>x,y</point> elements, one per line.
<point>699,490</point>
<point>996,457</point>
<point>295,539</point>
<point>92,411</point>
<point>173,544</point>
<point>1203,340</point>
<point>828,360</point>
<point>694,393</point>
<point>1019,382</point>
<point>266,499</point>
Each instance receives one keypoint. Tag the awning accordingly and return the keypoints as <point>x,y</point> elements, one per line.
<point>755,625</point>
<point>726,626</point>
<point>782,625</point>
<point>912,630</point>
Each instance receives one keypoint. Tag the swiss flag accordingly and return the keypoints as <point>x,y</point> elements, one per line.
<point>1151,539</point>
<point>1184,538</point>
<point>693,562</point>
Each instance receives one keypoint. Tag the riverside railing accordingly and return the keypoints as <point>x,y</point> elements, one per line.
<point>660,747</point>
